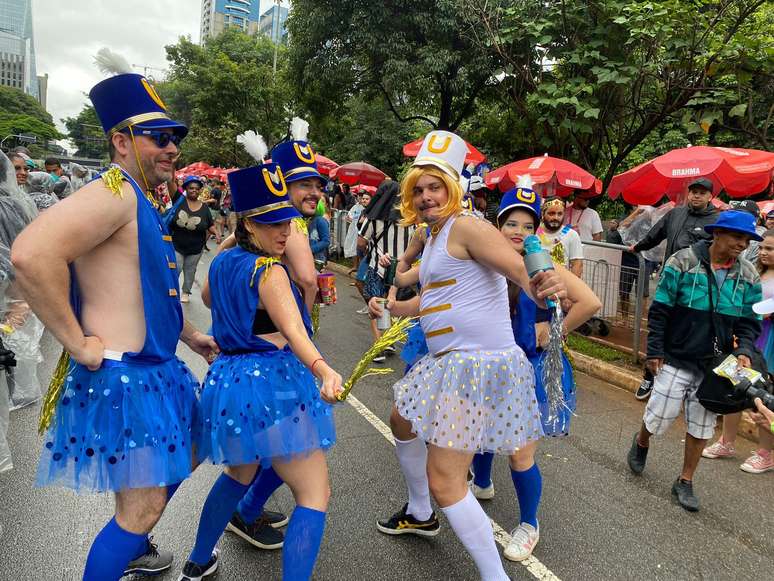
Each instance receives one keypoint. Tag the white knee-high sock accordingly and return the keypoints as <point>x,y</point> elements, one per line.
<point>412,455</point>
<point>472,527</point>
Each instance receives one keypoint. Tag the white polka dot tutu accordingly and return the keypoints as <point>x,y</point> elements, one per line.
<point>472,401</point>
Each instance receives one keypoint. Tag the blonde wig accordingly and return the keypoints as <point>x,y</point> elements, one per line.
<point>407,209</point>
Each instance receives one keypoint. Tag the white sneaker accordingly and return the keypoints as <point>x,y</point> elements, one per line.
<point>523,541</point>
<point>485,493</point>
<point>185,298</point>
<point>379,359</point>
<point>363,311</point>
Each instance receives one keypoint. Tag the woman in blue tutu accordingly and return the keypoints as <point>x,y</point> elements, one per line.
<point>260,402</point>
<point>517,218</point>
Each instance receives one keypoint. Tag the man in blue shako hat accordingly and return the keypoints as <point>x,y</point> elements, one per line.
<point>99,270</point>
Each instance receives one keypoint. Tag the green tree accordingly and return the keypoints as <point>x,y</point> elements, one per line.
<point>22,114</point>
<point>223,88</point>
<point>591,79</point>
<point>411,54</point>
<point>85,132</point>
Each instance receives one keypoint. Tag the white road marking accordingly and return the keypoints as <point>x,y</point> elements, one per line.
<point>537,569</point>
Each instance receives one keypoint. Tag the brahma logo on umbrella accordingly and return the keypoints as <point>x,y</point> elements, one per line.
<point>153,94</point>
<point>275,182</point>
<point>304,153</point>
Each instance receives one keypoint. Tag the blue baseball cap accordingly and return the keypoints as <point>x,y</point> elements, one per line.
<point>192,179</point>
<point>520,197</point>
<point>735,221</point>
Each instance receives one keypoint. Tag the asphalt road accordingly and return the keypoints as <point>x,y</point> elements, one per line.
<point>597,520</point>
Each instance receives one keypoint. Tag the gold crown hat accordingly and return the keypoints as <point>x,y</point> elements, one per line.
<point>444,150</point>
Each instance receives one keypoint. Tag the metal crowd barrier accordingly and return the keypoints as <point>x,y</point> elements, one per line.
<point>339,228</point>
<point>621,289</point>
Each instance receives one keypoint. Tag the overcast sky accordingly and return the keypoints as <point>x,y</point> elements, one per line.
<point>69,34</point>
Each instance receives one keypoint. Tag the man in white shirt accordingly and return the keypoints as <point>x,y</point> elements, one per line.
<point>584,220</point>
<point>552,233</point>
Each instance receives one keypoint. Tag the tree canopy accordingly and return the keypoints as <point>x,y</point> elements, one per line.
<point>22,114</point>
<point>85,131</point>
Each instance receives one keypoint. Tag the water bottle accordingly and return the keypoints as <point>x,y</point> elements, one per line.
<point>537,259</point>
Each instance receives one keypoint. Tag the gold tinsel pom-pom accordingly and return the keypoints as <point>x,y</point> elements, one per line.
<point>266,261</point>
<point>114,180</point>
<point>315,319</point>
<point>397,332</point>
<point>55,388</point>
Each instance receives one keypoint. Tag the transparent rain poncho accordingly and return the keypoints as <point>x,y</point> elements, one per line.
<point>20,328</point>
<point>641,225</point>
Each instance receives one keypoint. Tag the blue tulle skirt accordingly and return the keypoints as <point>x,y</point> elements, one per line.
<point>125,425</point>
<point>560,424</point>
<point>415,347</point>
<point>261,406</point>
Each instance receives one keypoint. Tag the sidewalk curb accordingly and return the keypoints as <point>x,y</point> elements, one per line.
<point>607,372</point>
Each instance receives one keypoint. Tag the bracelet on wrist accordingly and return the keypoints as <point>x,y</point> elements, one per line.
<point>315,362</point>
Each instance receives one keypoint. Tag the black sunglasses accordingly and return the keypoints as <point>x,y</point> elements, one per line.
<point>162,138</point>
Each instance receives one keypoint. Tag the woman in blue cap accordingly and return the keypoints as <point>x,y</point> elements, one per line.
<point>260,402</point>
<point>517,218</point>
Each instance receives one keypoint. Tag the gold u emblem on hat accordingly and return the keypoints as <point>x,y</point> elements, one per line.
<point>305,153</point>
<point>431,146</point>
<point>275,182</point>
<point>153,94</point>
<point>525,196</point>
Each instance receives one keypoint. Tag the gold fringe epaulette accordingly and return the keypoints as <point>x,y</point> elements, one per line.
<point>114,179</point>
<point>302,225</point>
<point>266,261</point>
<point>55,388</point>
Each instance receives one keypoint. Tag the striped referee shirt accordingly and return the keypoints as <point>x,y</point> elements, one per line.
<point>384,238</point>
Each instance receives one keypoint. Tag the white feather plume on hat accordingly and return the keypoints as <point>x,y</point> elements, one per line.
<point>299,129</point>
<point>524,181</point>
<point>111,63</point>
<point>254,144</point>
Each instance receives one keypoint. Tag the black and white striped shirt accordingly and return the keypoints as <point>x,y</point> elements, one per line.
<point>384,238</point>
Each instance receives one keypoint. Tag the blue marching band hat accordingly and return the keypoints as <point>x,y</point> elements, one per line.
<point>297,158</point>
<point>260,192</point>
<point>520,196</point>
<point>128,99</point>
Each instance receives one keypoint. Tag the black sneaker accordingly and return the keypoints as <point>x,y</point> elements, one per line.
<point>152,562</point>
<point>259,534</point>
<point>194,572</point>
<point>643,391</point>
<point>276,520</point>
<point>683,491</point>
<point>637,456</point>
<point>402,523</point>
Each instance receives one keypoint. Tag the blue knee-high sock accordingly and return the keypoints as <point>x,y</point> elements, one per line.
<point>264,485</point>
<point>111,552</point>
<point>302,543</point>
<point>218,508</point>
<point>529,487</point>
<point>482,468</point>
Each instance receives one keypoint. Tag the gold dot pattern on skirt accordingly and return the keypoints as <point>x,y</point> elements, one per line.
<point>472,400</point>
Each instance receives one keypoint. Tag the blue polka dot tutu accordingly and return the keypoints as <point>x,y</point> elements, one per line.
<point>126,425</point>
<point>260,406</point>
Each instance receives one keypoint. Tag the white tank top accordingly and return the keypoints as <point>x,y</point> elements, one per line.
<point>464,305</point>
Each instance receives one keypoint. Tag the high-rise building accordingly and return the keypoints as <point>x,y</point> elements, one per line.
<point>273,24</point>
<point>17,47</point>
<point>217,15</point>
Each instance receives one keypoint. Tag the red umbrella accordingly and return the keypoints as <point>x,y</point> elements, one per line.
<point>358,172</point>
<point>550,175</point>
<point>325,165</point>
<point>196,167</point>
<point>474,155</point>
<point>740,172</point>
<point>363,188</point>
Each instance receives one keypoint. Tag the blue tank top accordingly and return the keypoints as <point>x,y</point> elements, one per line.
<point>159,284</point>
<point>234,284</point>
<point>523,322</point>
